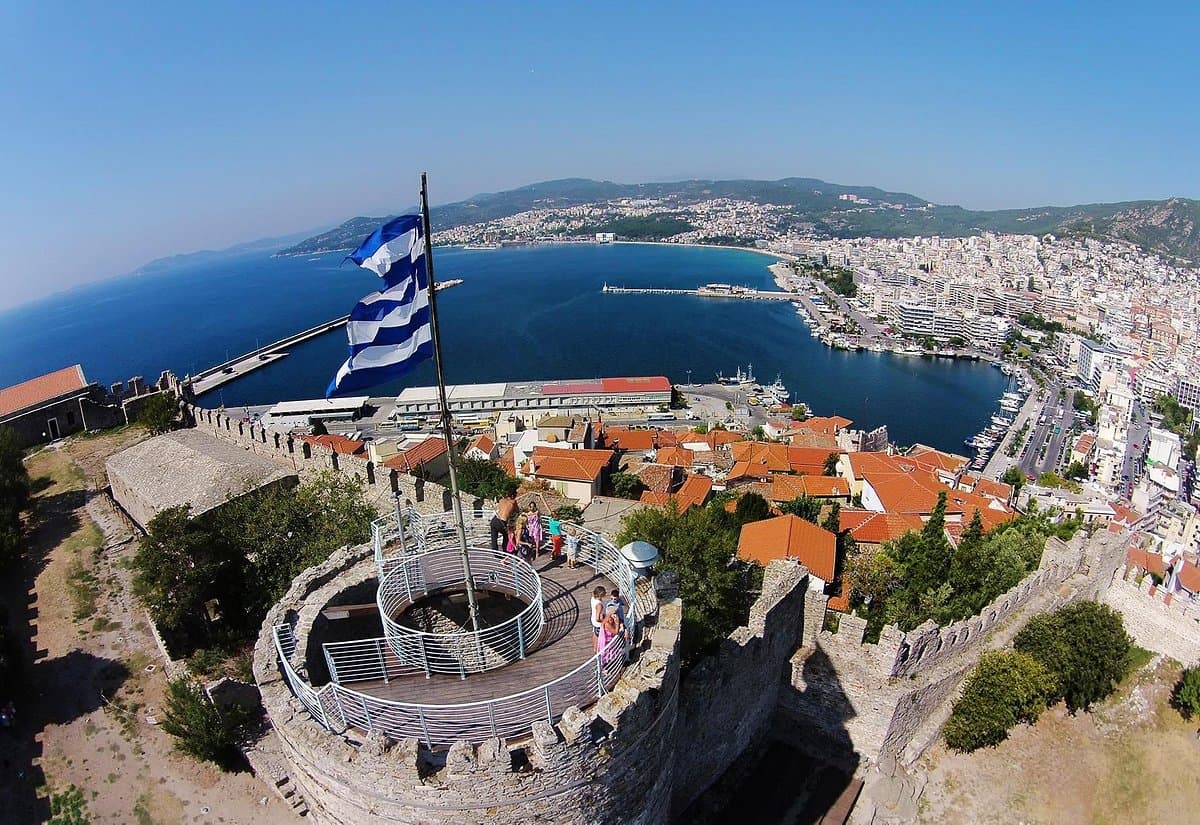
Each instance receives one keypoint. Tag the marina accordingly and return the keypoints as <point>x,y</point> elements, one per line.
<point>706,291</point>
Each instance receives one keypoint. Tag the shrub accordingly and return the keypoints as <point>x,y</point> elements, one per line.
<point>1006,688</point>
<point>200,728</point>
<point>1186,696</point>
<point>1084,645</point>
<point>159,412</point>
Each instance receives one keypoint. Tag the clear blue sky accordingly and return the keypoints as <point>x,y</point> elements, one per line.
<point>131,133</point>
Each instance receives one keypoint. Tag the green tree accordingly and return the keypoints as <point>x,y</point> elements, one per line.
<point>805,507</point>
<point>484,479</point>
<point>175,567</point>
<point>929,566</point>
<point>1014,478</point>
<point>757,432</point>
<point>319,428</point>
<point>831,465</point>
<point>569,512</point>
<point>1076,472</point>
<point>699,545</point>
<point>1186,695</point>
<point>1005,688</point>
<point>751,507</point>
<point>14,495</point>
<point>159,412</point>
<point>701,428</point>
<point>1084,645</point>
<point>833,519</point>
<point>627,485</point>
<point>200,728</point>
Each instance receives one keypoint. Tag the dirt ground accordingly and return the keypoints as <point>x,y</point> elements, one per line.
<point>1130,760</point>
<point>94,679</point>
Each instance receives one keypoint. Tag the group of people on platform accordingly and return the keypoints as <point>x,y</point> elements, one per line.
<point>522,534</point>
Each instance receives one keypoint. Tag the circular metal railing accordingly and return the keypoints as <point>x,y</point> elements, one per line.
<point>336,706</point>
<point>462,650</point>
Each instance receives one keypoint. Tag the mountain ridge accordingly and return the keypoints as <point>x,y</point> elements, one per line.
<point>1170,227</point>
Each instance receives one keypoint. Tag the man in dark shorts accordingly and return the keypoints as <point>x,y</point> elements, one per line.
<point>505,508</point>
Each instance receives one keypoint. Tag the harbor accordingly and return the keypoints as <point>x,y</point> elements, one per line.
<point>706,291</point>
<point>234,368</point>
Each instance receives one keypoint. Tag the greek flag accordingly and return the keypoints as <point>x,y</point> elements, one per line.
<point>389,330</point>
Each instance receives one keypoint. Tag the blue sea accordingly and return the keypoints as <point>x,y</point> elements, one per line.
<point>521,313</point>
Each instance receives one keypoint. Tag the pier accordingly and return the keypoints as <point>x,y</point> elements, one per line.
<point>222,374</point>
<point>708,291</point>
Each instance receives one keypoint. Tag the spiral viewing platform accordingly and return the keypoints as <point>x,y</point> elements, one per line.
<point>391,649</point>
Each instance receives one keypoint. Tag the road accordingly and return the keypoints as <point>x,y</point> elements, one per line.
<point>1032,463</point>
<point>1000,460</point>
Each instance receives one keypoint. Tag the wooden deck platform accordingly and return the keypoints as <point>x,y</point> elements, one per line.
<point>566,643</point>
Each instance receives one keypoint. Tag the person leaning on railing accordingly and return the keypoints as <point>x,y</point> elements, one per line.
<point>505,508</point>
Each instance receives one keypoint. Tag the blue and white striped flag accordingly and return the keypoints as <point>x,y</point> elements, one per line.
<point>389,330</point>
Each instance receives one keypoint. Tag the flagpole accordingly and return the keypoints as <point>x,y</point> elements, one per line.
<point>447,429</point>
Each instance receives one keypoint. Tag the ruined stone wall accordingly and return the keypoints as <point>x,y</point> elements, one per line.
<point>1167,623</point>
<point>729,698</point>
<point>380,483</point>
<point>613,762</point>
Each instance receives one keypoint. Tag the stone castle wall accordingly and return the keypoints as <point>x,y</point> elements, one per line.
<point>382,484</point>
<point>1167,623</point>
<point>887,701</point>
<point>727,701</point>
<point>613,762</point>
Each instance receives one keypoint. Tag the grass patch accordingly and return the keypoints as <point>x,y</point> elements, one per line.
<point>68,807</point>
<point>141,811</point>
<point>1138,658</point>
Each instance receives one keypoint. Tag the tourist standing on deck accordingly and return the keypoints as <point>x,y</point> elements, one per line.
<point>556,539</point>
<point>533,528</point>
<point>572,547</point>
<point>596,611</point>
<point>505,508</point>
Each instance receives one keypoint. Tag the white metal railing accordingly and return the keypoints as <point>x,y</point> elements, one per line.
<point>336,706</point>
<point>460,651</point>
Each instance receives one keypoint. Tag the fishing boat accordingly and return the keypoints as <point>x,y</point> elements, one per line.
<point>778,390</point>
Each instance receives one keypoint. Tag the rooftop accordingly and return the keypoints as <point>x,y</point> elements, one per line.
<point>790,537</point>
<point>41,389</point>
<point>190,467</point>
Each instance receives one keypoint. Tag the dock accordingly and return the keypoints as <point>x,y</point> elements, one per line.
<point>235,368</point>
<point>709,291</point>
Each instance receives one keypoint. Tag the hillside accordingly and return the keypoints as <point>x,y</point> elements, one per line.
<point>1170,227</point>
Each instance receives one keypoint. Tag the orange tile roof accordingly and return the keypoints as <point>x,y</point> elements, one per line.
<point>1084,444</point>
<point>772,457</point>
<point>655,499</point>
<point>809,460</point>
<point>1189,577</point>
<point>785,488</point>
<point>992,489</point>
<point>744,469</point>
<point>621,438</point>
<point>569,465</point>
<point>336,443</point>
<point>826,425</point>
<point>1145,560</point>
<point>790,537</point>
<point>861,463</point>
<point>508,462</point>
<point>694,492</point>
<point>718,438</point>
<point>1123,513</point>
<point>417,456</point>
<point>927,457</point>
<point>483,443</point>
<point>658,478</point>
<point>839,603</point>
<point>875,528</point>
<point>43,388</point>
<point>675,456</point>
